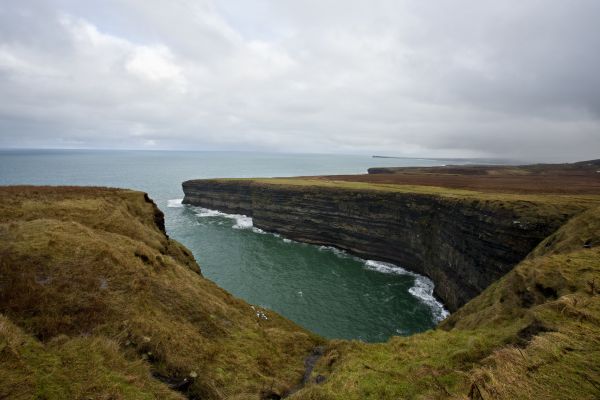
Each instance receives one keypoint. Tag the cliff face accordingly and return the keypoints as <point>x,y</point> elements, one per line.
<point>97,302</point>
<point>533,334</point>
<point>463,244</point>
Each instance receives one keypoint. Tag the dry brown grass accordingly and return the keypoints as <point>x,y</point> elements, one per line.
<point>578,178</point>
<point>94,297</point>
<point>94,263</point>
<point>71,368</point>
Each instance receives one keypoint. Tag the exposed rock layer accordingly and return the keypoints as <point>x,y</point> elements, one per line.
<point>462,244</point>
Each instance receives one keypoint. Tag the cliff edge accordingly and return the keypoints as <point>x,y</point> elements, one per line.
<point>96,302</point>
<point>463,240</point>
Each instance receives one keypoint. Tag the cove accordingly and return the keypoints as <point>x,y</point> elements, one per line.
<point>323,289</point>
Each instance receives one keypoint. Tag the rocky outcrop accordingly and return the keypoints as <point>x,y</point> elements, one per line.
<point>462,243</point>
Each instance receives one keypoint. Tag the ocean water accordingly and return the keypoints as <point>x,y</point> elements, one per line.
<point>323,289</point>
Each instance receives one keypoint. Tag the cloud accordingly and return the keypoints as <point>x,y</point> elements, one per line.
<point>455,78</point>
<point>155,64</point>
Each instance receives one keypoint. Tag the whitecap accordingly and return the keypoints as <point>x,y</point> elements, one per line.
<point>206,212</point>
<point>387,268</point>
<point>175,203</point>
<point>241,221</point>
<point>338,252</point>
<point>422,288</point>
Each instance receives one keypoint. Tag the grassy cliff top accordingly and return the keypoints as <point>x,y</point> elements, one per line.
<point>577,183</point>
<point>97,302</point>
<point>522,205</point>
<point>334,183</point>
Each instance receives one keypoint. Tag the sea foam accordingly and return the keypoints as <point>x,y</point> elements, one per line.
<point>175,203</point>
<point>422,289</point>
<point>241,221</point>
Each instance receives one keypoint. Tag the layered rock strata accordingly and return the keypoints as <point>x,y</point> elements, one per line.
<point>462,243</point>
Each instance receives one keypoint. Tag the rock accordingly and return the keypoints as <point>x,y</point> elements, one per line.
<point>462,244</point>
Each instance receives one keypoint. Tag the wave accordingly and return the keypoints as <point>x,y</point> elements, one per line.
<point>422,289</point>
<point>336,251</point>
<point>241,221</point>
<point>175,203</point>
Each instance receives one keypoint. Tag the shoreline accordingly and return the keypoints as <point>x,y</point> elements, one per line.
<point>423,288</point>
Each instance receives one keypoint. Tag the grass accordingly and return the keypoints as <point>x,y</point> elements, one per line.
<point>534,334</point>
<point>97,302</point>
<point>94,265</point>
<point>585,201</point>
<point>71,368</point>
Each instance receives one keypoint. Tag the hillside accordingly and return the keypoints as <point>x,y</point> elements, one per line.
<point>95,296</point>
<point>97,302</point>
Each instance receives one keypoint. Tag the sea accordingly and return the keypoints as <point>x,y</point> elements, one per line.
<point>323,289</point>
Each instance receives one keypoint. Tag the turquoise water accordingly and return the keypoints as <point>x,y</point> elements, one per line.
<point>322,289</point>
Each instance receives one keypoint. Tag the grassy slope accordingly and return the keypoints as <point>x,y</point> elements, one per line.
<point>99,295</point>
<point>87,277</point>
<point>65,368</point>
<point>534,334</point>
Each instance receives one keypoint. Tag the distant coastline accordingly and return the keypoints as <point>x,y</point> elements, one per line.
<point>462,160</point>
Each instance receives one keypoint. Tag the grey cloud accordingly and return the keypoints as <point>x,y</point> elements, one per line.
<point>462,78</point>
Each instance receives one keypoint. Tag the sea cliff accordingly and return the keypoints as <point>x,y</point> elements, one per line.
<point>97,302</point>
<point>462,241</point>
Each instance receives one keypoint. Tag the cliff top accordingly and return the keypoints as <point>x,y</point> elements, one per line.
<point>572,179</point>
<point>566,201</point>
<point>97,302</point>
<point>559,184</point>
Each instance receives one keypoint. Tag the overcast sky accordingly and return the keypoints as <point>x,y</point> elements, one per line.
<point>460,78</point>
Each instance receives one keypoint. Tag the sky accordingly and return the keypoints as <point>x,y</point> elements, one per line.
<point>447,78</point>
